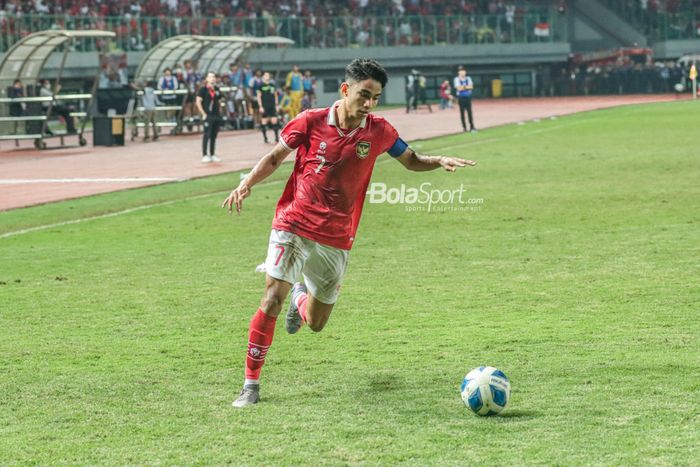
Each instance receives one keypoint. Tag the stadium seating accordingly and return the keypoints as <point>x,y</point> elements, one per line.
<point>140,24</point>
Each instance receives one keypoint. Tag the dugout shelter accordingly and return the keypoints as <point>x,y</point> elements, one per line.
<point>209,53</point>
<point>25,62</point>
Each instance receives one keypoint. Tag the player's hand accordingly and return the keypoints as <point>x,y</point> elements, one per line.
<point>451,163</point>
<point>236,197</point>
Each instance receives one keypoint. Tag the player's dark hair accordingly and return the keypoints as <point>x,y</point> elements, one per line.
<point>361,69</point>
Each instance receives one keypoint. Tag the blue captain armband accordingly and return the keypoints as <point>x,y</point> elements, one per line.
<point>398,148</point>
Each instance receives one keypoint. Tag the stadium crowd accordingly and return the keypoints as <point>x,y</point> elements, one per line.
<point>310,23</point>
<point>672,19</point>
<point>250,8</point>
<point>620,77</point>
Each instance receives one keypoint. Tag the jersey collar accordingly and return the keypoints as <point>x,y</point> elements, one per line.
<point>332,121</point>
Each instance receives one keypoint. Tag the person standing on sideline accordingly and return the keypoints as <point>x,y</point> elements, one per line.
<point>309,82</point>
<point>422,91</point>
<point>150,101</point>
<point>445,95</point>
<point>318,214</point>
<point>463,89</point>
<point>267,102</point>
<point>410,91</point>
<point>17,92</point>
<point>296,90</point>
<point>191,79</point>
<point>209,107</point>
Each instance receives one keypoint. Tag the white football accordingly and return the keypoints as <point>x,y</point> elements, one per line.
<point>486,390</point>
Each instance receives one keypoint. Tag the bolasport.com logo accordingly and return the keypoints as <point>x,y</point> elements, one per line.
<point>424,198</point>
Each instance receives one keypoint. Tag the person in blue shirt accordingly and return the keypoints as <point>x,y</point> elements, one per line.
<point>464,87</point>
<point>309,82</point>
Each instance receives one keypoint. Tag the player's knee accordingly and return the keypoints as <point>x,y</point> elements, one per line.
<point>317,326</point>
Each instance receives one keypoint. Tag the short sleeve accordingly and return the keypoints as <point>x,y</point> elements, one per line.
<point>295,133</point>
<point>201,92</point>
<point>390,139</point>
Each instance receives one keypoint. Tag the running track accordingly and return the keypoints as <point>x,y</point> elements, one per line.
<point>29,177</point>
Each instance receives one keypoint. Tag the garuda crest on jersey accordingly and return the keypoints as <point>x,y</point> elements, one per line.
<point>362,149</point>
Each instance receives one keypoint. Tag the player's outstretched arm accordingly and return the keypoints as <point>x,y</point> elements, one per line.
<point>422,162</point>
<point>261,171</point>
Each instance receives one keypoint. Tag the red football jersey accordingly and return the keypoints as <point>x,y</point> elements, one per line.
<point>324,196</point>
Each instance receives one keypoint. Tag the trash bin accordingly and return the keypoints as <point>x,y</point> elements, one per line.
<point>496,88</point>
<point>108,131</point>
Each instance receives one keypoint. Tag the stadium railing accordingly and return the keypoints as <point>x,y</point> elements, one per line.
<point>658,22</point>
<point>140,33</point>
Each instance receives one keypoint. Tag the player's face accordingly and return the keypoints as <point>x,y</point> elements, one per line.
<point>211,79</point>
<point>361,97</point>
<point>266,78</point>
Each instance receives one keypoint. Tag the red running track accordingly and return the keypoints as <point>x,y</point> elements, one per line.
<point>29,177</point>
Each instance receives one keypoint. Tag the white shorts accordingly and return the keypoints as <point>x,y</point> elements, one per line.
<point>323,267</point>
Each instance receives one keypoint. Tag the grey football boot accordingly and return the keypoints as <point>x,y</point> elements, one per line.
<point>294,321</point>
<point>249,395</point>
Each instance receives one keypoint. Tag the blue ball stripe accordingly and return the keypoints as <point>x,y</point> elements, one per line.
<point>498,396</point>
<point>475,401</point>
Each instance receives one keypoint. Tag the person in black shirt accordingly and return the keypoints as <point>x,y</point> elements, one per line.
<point>16,92</point>
<point>209,107</point>
<point>267,101</point>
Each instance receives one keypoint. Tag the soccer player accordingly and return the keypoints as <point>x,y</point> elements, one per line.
<point>319,211</point>
<point>267,101</point>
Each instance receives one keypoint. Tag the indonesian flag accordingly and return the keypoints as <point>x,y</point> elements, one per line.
<point>542,30</point>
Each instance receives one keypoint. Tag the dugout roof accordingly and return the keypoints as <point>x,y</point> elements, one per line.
<point>212,53</point>
<point>25,60</point>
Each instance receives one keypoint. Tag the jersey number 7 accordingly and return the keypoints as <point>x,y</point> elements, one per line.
<point>320,166</point>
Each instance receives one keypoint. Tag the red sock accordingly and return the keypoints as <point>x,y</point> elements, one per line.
<point>262,328</point>
<point>301,306</point>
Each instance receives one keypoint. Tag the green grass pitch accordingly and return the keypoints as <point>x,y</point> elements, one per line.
<point>122,338</point>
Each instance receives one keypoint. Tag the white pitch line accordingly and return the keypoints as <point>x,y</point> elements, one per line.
<point>165,203</point>
<point>501,138</point>
<point>118,213</point>
<point>26,181</point>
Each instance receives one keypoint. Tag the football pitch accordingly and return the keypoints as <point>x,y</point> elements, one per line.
<point>571,262</point>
